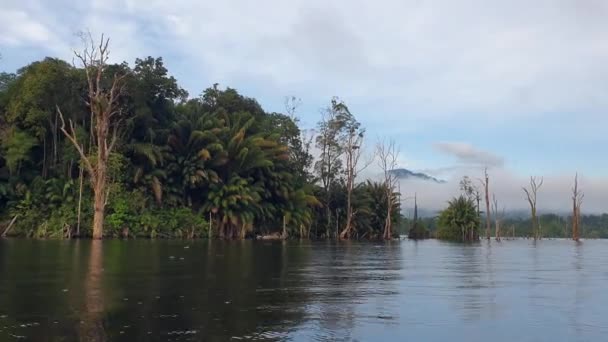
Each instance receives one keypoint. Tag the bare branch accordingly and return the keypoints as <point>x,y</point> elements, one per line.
<point>291,106</point>
<point>535,185</point>
<point>71,135</point>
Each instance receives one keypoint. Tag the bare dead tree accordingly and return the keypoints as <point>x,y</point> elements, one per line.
<point>486,185</point>
<point>105,111</point>
<point>388,155</point>
<point>498,216</point>
<point>577,200</point>
<point>535,185</point>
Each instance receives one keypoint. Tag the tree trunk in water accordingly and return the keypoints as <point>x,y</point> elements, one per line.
<point>388,222</point>
<point>210,233</point>
<point>98,217</point>
<point>497,230</point>
<point>81,177</point>
<point>349,210</point>
<point>387,226</point>
<point>488,219</point>
<point>284,228</point>
<point>347,228</point>
<point>100,203</point>
<point>328,228</point>
<point>535,225</point>
<point>575,221</point>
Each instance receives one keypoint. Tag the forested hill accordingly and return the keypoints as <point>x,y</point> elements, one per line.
<point>411,175</point>
<point>190,166</point>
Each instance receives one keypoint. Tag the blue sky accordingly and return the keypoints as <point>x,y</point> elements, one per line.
<point>519,86</point>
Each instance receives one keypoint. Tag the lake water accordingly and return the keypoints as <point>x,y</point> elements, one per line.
<point>554,290</point>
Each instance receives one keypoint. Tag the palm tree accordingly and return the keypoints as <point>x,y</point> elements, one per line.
<point>243,167</point>
<point>192,148</point>
<point>459,221</point>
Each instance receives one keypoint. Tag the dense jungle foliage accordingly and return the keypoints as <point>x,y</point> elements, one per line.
<point>214,165</point>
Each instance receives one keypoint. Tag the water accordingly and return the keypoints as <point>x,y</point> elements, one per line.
<point>554,290</point>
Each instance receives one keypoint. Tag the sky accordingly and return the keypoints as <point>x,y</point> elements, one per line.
<point>520,87</point>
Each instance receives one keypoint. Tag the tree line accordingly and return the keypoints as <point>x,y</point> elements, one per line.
<point>462,219</point>
<point>113,150</point>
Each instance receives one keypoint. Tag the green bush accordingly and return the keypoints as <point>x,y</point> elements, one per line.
<point>127,212</point>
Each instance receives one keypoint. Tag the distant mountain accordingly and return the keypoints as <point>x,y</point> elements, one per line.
<point>407,174</point>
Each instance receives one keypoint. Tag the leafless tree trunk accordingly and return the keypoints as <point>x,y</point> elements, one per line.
<point>577,200</point>
<point>535,185</point>
<point>415,223</point>
<point>498,215</point>
<point>284,234</point>
<point>104,108</point>
<point>387,160</point>
<point>486,184</point>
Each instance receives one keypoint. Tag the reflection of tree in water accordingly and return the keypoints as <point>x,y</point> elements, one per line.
<point>40,285</point>
<point>580,277</point>
<point>92,327</point>
<point>160,290</point>
<point>210,290</point>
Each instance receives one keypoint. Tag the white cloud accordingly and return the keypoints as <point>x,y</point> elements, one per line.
<point>431,59</point>
<point>19,28</point>
<point>467,154</point>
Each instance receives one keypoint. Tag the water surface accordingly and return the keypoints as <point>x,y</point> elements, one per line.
<point>554,290</point>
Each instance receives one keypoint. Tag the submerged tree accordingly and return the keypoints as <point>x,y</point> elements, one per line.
<point>103,102</point>
<point>486,185</point>
<point>535,185</point>
<point>498,215</point>
<point>577,200</point>
<point>387,160</point>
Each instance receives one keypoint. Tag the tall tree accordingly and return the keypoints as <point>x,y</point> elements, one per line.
<point>103,103</point>
<point>486,185</point>
<point>415,220</point>
<point>329,165</point>
<point>388,155</point>
<point>352,142</point>
<point>577,200</point>
<point>498,215</point>
<point>535,185</point>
